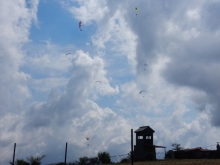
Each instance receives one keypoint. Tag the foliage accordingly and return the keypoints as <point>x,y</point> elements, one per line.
<point>127,159</point>
<point>104,157</point>
<point>94,160</point>
<point>177,147</point>
<point>83,160</point>
<point>73,163</point>
<point>35,160</point>
<point>130,155</point>
<point>124,160</point>
<point>61,163</point>
<point>20,162</point>
<point>169,154</point>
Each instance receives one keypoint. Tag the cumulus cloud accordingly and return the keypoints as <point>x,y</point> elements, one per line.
<point>14,33</point>
<point>59,98</point>
<point>88,11</point>
<point>194,61</point>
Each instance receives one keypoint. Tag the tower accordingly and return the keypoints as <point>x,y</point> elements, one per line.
<point>144,148</point>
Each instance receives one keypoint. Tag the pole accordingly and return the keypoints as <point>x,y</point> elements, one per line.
<point>65,154</point>
<point>132,152</point>
<point>14,154</point>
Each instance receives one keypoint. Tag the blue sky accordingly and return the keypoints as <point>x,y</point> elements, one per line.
<point>54,97</point>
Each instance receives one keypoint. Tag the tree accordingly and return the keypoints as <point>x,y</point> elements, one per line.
<point>177,147</point>
<point>83,160</point>
<point>20,162</point>
<point>104,157</point>
<point>169,154</point>
<point>94,160</point>
<point>73,163</point>
<point>61,163</point>
<point>124,160</point>
<point>35,160</point>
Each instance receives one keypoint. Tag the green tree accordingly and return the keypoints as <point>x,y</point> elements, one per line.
<point>177,147</point>
<point>104,157</point>
<point>20,162</point>
<point>83,160</point>
<point>35,160</point>
<point>93,160</point>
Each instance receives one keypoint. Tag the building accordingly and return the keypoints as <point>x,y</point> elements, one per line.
<point>197,153</point>
<point>144,148</point>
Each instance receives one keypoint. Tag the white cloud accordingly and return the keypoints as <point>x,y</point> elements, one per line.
<point>180,100</point>
<point>89,10</point>
<point>14,31</point>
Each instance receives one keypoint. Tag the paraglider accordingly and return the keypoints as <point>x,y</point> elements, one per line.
<point>141,92</point>
<point>136,10</point>
<point>98,82</point>
<point>87,138</point>
<point>145,65</point>
<point>68,54</point>
<point>80,25</point>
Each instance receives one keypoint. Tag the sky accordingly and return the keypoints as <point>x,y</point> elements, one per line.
<point>49,98</point>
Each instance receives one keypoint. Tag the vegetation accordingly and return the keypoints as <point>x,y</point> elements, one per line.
<point>104,157</point>
<point>30,161</point>
<point>177,147</point>
<point>127,159</point>
<point>35,160</point>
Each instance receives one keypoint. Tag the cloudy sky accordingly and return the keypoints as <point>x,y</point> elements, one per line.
<point>49,98</point>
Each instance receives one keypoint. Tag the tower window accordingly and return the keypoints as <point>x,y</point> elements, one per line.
<point>148,137</point>
<point>140,137</point>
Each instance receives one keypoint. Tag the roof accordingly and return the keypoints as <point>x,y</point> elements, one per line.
<point>196,149</point>
<point>144,128</point>
<point>154,146</point>
<point>160,147</point>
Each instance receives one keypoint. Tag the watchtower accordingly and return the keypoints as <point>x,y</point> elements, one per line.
<point>144,148</point>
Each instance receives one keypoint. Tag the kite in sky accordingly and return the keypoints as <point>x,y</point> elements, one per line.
<point>80,25</point>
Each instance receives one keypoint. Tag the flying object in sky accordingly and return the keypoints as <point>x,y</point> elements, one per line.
<point>87,138</point>
<point>141,92</point>
<point>145,65</point>
<point>136,10</point>
<point>68,54</point>
<point>98,84</point>
<point>80,25</point>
